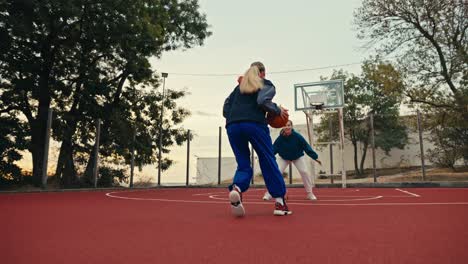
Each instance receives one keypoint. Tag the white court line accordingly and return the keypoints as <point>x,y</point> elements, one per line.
<point>226,192</point>
<point>410,193</point>
<point>389,204</point>
<point>292,195</point>
<point>210,193</point>
<point>320,200</point>
<point>113,195</point>
<point>264,190</point>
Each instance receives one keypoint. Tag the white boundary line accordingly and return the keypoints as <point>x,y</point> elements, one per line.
<point>410,193</point>
<point>113,195</point>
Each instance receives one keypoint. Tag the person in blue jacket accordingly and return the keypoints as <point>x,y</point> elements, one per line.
<point>245,110</point>
<point>291,146</point>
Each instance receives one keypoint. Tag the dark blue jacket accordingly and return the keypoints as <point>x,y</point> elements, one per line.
<point>293,146</point>
<point>250,107</point>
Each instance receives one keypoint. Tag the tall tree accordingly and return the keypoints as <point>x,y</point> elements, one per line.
<point>79,56</point>
<point>430,39</point>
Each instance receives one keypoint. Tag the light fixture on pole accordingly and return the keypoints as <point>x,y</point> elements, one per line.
<point>164,75</point>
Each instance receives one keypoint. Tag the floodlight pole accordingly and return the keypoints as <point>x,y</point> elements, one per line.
<point>164,75</point>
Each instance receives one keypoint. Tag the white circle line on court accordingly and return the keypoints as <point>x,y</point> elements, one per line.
<point>294,195</point>
<point>290,200</point>
<point>213,194</point>
<point>264,190</point>
<point>112,195</point>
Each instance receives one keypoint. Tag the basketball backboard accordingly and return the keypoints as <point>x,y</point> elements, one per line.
<point>319,95</point>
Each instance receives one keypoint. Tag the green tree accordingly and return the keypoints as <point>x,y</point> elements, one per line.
<point>12,141</point>
<point>378,90</point>
<point>450,138</point>
<point>430,39</point>
<point>80,57</point>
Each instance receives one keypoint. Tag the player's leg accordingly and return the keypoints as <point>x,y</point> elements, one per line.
<point>282,164</point>
<point>261,142</point>
<point>301,166</point>
<point>238,139</point>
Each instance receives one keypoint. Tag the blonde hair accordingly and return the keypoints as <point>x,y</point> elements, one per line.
<point>252,82</point>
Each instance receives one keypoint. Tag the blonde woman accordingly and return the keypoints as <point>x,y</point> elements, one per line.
<point>291,146</point>
<point>245,110</point>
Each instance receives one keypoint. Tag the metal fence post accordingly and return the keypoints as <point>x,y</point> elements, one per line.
<point>46,149</point>
<point>421,146</point>
<point>290,173</point>
<point>330,127</point>
<point>188,158</point>
<point>342,146</point>
<point>371,119</point>
<point>219,156</point>
<point>132,160</point>
<point>164,75</point>
<point>96,152</point>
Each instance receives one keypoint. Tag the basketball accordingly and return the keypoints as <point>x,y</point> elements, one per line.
<point>277,121</point>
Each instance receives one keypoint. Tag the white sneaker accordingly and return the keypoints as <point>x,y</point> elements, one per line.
<point>311,197</point>
<point>267,196</point>
<point>235,197</point>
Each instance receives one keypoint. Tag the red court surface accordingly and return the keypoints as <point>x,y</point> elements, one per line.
<point>178,225</point>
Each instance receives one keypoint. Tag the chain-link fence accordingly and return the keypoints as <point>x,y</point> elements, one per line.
<point>377,149</point>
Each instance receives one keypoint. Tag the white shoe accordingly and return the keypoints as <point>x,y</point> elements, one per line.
<point>235,197</point>
<point>267,196</point>
<point>311,197</point>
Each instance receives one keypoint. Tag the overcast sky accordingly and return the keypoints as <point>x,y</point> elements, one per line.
<point>284,35</point>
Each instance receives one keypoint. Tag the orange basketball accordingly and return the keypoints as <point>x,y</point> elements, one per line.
<point>277,121</point>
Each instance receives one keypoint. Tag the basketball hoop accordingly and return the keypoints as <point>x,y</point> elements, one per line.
<point>317,106</point>
<point>318,98</point>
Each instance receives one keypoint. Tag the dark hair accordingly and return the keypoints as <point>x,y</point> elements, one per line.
<point>259,65</point>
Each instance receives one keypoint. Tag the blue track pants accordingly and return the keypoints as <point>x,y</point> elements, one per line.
<point>240,134</point>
